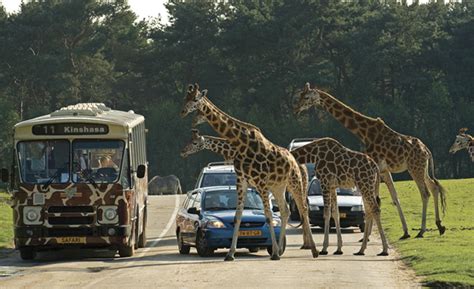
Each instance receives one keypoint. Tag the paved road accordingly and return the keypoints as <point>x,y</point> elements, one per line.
<point>161,266</point>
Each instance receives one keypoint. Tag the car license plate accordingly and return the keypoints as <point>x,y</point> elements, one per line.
<point>251,233</point>
<point>342,215</point>
<point>71,240</point>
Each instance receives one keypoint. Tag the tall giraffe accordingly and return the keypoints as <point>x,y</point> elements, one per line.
<point>338,166</point>
<point>392,151</point>
<point>258,163</point>
<point>221,146</point>
<point>463,141</point>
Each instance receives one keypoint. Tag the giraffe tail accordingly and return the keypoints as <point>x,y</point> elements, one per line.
<point>440,188</point>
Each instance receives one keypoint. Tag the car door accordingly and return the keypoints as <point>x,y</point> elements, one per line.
<point>182,214</point>
<point>189,222</point>
<point>194,219</point>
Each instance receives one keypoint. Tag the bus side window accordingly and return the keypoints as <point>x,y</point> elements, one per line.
<point>125,177</point>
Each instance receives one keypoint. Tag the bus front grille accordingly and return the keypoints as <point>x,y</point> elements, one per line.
<point>71,220</point>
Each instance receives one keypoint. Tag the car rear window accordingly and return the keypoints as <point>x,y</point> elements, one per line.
<point>219,179</point>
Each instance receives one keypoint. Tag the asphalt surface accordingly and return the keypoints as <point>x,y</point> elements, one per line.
<point>159,265</point>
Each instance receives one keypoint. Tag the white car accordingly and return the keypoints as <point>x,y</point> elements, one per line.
<point>349,202</point>
<point>216,174</point>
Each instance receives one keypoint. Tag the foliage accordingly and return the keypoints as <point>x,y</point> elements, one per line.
<point>6,221</point>
<point>443,261</point>
<point>410,65</point>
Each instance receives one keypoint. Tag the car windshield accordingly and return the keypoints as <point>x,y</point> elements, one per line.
<point>97,161</point>
<point>315,190</point>
<point>44,161</point>
<point>218,179</point>
<point>227,200</point>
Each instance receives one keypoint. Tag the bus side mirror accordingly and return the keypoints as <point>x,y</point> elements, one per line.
<point>5,175</point>
<point>141,171</point>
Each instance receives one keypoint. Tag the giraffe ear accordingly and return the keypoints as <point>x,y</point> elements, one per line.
<point>463,130</point>
<point>204,93</point>
<point>307,87</point>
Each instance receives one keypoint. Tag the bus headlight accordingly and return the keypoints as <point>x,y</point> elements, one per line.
<point>32,215</point>
<point>109,215</point>
<point>358,208</point>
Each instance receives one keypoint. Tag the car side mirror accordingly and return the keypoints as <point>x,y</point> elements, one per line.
<point>275,208</point>
<point>193,210</point>
<point>141,171</point>
<point>5,175</point>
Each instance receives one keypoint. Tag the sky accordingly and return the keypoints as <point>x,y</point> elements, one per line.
<point>143,8</point>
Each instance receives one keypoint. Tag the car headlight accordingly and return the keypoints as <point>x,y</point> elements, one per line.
<point>313,207</point>
<point>109,215</point>
<point>276,222</point>
<point>215,224</point>
<point>358,208</point>
<point>32,215</point>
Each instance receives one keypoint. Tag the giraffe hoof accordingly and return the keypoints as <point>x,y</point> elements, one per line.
<point>420,235</point>
<point>405,236</point>
<point>338,252</point>
<point>359,253</point>
<point>323,252</point>
<point>442,229</point>
<point>275,257</point>
<point>229,258</point>
<point>383,254</point>
<point>315,253</point>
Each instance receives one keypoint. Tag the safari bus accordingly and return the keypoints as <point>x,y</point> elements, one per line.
<point>79,179</point>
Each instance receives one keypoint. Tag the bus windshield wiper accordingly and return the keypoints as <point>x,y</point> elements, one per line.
<point>55,176</point>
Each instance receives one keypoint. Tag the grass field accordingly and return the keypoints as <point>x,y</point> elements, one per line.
<point>441,260</point>
<point>6,229</point>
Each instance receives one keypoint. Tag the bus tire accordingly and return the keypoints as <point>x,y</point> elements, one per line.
<point>142,237</point>
<point>129,249</point>
<point>27,253</point>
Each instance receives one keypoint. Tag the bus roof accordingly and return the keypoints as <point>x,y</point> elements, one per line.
<point>120,122</point>
<point>86,112</point>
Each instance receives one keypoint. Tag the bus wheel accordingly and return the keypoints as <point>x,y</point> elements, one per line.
<point>27,253</point>
<point>129,249</point>
<point>142,238</point>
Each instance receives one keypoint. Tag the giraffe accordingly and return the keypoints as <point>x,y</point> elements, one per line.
<point>338,166</point>
<point>463,141</point>
<point>221,146</point>
<point>258,163</point>
<point>392,151</point>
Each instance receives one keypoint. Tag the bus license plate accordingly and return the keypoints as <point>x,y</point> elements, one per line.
<point>251,233</point>
<point>71,240</point>
<point>342,215</point>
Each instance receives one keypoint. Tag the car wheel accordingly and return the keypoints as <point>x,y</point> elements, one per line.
<point>253,250</point>
<point>362,227</point>
<point>270,248</point>
<point>294,213</point>
<point>183,249</point>
<point>201,245</point>
<point>27,253</point>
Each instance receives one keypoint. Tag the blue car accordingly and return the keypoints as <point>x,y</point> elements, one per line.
<point>206,221</point>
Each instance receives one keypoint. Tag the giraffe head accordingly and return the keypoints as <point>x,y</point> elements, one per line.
<point>193,99</point>
<point>198,119</point>
<point>461,142</point>
<point>197,144</point>
<point>306,98</point>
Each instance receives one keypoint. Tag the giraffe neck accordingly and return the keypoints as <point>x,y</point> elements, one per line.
<point>228,127</point>
<point>354,121</point>
<point>220,146</point>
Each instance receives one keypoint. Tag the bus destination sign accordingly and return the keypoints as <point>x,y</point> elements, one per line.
<point>70,129</point>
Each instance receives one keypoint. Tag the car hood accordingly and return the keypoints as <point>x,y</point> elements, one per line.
<point>227,216</point>
<point>342,201</point>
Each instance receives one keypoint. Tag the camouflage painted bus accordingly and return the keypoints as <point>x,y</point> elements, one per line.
<point>79,179</point>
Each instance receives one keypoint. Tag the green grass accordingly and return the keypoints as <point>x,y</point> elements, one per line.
<point>440,260</point>
<point>6,227</point>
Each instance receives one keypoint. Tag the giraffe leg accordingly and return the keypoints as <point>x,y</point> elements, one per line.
<point>301,203</point>
<point>241,193</point>
<point>335,216</point>
<point>387,177</point>
<point>418,177</point>
<point>269,220</point>
<point>279,195</point>
<point>327,217</point>
<point>382,235</point>
<point>436,189</point>
<point>365,238</point>
<point>367,228</point>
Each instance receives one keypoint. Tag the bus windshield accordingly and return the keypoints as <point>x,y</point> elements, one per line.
<point>44,161</point>
<point>97,160</point>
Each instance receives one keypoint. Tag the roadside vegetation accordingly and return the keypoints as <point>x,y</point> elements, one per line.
<point>6,231</point>
<point>446,260</point>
